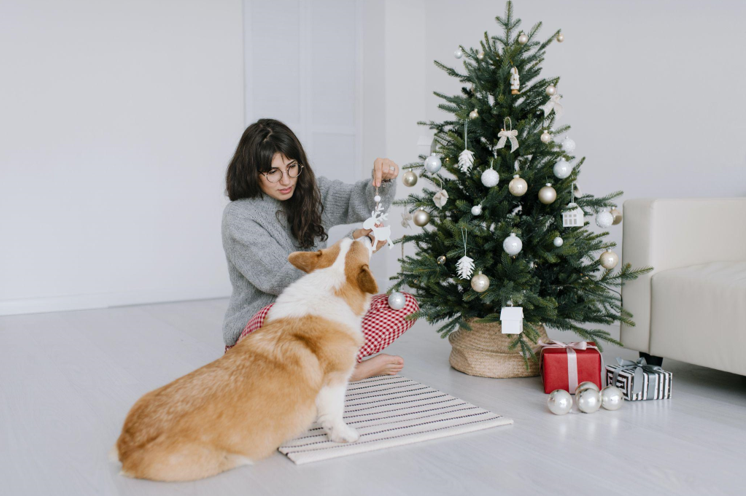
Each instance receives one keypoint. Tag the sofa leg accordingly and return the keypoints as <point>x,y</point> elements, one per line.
<point>651,359</point>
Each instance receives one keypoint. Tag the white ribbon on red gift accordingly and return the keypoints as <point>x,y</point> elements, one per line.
<point>571,348</point>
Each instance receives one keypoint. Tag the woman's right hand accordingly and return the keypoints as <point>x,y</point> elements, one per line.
<point>364,232</point>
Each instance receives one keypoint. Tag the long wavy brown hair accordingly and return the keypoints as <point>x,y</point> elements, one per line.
<point>258,145</point>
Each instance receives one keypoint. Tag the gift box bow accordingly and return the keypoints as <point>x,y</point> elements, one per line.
<point>637,369</point>
<point>571,348</point>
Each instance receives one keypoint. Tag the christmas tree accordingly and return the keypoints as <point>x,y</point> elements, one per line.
<point>502,226</point>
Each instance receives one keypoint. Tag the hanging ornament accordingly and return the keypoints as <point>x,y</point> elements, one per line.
<point>480,55</point>
<point>376,223</point>
<point>560,38</point>
<point>546,137</point>
<point>441,260</point>
<point>518,186</point>
<point>409,178</point>
<point>553,104</point>
<point>605,219</point>
<point>440,199</point>
<point>512,244</point>
<point>608,259</point>
<point>396,300</point>
<point>562,169</point>
<point>490,176</point>
<point>508,134</point>
<point>514,81</point>
<point>480,282</point>
<point>477,210</point>
<point>617,216</point>
<point>406,218</point>
<point>576,190</point>
<point>551,90</point>
<point>559,402</point>
<point>547,194</point>
<point>568,145</point>
<point>523,38</point>
<point>465,265</point>
<point>458,53</point>
<point>467,157</point>
<point>432,163</point>
<point>421,217</point>
<point>573,216</point>
<point>473,114</point>
<point>558,242</point>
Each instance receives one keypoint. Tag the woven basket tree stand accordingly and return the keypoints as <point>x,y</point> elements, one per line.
<point>484,352</point>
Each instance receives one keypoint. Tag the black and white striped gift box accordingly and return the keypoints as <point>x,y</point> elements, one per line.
<point>659,382</point>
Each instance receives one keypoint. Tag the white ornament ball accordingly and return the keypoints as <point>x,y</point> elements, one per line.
<point>518,186</point>
<point>377,198</point>
<point>589,400</point>
<point>558,242</point>
<point>584,385</point>
<point>608,259</point>
<point>490,177</point>
<point>480,282</point>
<point>605,219</point>
<point>559,402</point>
<point>477,210</point>
<point>551,90</point>
<point>560,38</point>
<point>568,145</point>
<point>547,194</point>
<point>612,398</point>
<point>473,114</point>
<point>458,53</point>
<point>432,163</point>
<point>480,55</point>
<point>562,169</point>
<point>421,217</point>
<point>396,300</point>
<point>546,137</point>
<point>617,216</point>
<point>523,38</point>
<point>512,244</point>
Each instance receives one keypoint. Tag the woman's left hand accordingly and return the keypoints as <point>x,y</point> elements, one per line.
<point>384,169</point>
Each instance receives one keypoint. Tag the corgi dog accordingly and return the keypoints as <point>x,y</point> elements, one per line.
<point>267,389</point>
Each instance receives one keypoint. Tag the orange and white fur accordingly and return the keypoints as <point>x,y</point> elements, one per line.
<point>267,389</point>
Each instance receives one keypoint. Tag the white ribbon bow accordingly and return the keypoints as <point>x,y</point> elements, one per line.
<point>511,135</point>
<point>553,103</point>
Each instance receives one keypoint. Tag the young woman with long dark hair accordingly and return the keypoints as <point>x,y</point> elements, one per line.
<point>279,206</point>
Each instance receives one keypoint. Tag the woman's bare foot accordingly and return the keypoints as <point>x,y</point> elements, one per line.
<point>378,365</point>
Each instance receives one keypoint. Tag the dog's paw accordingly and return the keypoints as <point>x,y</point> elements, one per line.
<point>343,433</point>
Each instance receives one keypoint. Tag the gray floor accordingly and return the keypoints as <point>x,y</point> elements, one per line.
<point>68,379</point>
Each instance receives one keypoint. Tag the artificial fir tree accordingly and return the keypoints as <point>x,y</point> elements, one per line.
<point>556,276</point>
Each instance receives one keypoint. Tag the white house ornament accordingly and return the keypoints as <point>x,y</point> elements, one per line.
<point>421,217</point>
<point>553,104</point>
<point>490,177</point>
<point>546,137</point>
<point>512,320</point>
<point>562,169</point>
<point>568,145</point>
<point>512,244</point>
<point>608,259</point>
<point>605,219</point>
<point>518,186</point>
<point>409,178</point>
<point>547,194</point>
<point>396,300</point>
<point>559,402</point>
<point>558,242</point>
<point>432,163</point>
<point>508,134</point>
<point>573,216</point>
<point>480,282</point>
<point>476,210</point>
<point>617,216</point>
<point>514,81</point>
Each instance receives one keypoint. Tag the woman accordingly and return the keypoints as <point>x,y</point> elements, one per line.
<point>279,206</point>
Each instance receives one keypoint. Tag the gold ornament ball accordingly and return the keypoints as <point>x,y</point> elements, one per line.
<point>441,260</point>
<point>560,38</point>
<point>473,114</point>
<point>547,194</point>
<point>481,55</point>
<point>550,90</point>
<point>409,178</point>
<point>480,282</point>
<point>617,216</point>
<point>608,259</point>
<point>421,217</point>
<point>523,38</point>
<point>517,186</point>
<point>546,137</point>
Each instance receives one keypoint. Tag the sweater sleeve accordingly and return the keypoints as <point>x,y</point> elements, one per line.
<point>267,269</point>
<point>346,203</point>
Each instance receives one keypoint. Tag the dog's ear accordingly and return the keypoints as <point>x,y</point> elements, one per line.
<point>366,280</point>
<point>305,261</point>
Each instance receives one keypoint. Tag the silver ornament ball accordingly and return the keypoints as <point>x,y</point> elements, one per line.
<point>490,177</point>
<point>480,55</point>
<point>476,210</point>
<point>589,400</point>
<point>523,38</point>
<point>512,244</point>
<point>608,259</point>
<point>560,38</point>
<point>562,169</point>
<point>473,114</point>
<point>458,53</point>
<point>617,216</point>
<point>518,186</point>
<point>551,90</point>
<point>612,398</point>
<point>546,137</point>
<point>432,163</point>
<point>480,282</point>
<point>605,219</point>
<point>584,385</point>
<point>421,217</point>
<point>558,242</point>
<point>441,260</point>
<point>547,194</point>
<point>568,145</point>
<point>396,300</point>
<point>559,402</point>
<point>409,178</point>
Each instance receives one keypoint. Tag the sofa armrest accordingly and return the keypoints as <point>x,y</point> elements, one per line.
<point>672,233</point>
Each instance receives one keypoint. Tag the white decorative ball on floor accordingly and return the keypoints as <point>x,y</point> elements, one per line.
<point>558,242</point>
<point>518,186</point>
<point>432,163</point>
<point>562,169</point>
<point>589,400</point>
<point>458,53</point>
<point>480,282</point>
<point>608,259</point>
<point>490,177</point>
<point>612,398</point>
<point>547,194</point>
<point>605,219</point>
<point>559,402</point>
<point>512,244</point>
<point>377,198</point>
<point>586,384</point>
<point>568,145</point>
<point>396,300</point>
<point>477,210</point>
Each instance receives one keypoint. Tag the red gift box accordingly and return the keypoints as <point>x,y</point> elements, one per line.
<point>581,359</point>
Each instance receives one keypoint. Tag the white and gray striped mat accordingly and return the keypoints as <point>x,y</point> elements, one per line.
<point>393,410</point>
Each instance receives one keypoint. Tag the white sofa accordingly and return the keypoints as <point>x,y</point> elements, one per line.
<point>691,307</point>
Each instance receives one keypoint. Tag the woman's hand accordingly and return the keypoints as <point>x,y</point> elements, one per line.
<point>369,233</point>
<point>384,169</point>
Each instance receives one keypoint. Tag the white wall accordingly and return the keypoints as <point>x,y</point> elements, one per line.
<point>118,120</point>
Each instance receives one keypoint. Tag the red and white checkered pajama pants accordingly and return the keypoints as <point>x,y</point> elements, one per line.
<point>381,325</point>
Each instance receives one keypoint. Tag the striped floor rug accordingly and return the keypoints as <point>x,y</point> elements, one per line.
<point>393,410</point>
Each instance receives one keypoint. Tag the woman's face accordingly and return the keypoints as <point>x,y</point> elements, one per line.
<point>284,188</point>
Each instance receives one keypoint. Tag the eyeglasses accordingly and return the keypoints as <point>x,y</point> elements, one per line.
<point>274,175</point>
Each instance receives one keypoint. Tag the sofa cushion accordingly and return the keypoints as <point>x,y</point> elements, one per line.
<point>698,315</point>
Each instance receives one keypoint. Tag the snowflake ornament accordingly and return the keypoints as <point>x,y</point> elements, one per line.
<point>465,266</point>
<point>466,160</point>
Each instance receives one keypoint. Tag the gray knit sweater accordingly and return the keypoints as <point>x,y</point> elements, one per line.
<point>257,243</point>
